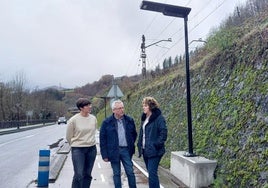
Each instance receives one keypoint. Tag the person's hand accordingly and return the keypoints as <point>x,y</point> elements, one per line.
<point>106,160</point>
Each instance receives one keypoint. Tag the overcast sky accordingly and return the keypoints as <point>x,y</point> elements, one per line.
<point>70,43</point>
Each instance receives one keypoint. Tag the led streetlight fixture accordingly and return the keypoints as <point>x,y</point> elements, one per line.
<point>166,9</point>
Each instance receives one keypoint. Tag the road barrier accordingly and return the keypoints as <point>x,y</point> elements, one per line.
<point>43,168</point>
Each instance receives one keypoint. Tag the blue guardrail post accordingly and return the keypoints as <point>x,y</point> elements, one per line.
<point>43,168</point>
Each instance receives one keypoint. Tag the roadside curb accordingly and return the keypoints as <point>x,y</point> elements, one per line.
<point>64,148</point>
<point>57,163</point>
<point>164,174</point>
<point>58,160</point>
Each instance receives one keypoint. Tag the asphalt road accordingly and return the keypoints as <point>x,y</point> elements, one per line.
<point>19,159</point>
<point>19,154</point>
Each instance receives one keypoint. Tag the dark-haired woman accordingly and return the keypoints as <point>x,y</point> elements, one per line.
<point>80,135</point>
<point>152,137</point>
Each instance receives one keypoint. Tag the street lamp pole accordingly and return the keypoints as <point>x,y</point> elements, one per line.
<point>188,90</point>
<point>180,12</point>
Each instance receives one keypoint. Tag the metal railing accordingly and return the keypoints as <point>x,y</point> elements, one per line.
<point>23,123</point>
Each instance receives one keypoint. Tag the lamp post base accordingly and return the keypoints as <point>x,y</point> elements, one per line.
<point>192,171</point>
<point>187,154</point>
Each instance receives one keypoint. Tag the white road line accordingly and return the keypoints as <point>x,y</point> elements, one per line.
<point>102,178</point>
<point>15,140</point>
<point>143,171</point>
<point>99,165</point>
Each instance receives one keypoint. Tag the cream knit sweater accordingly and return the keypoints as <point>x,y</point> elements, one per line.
<point>81,130</point>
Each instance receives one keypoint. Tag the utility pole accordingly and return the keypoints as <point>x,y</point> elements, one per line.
<point>143,57</point>
<point>143,54</point>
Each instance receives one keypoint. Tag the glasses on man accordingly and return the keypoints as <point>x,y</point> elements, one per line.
<point>119,108</point>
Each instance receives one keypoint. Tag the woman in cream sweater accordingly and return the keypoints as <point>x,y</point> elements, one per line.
<point>80,135</point>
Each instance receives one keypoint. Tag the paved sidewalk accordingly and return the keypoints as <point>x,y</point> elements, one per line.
<point>102,175</point>
<point>64,179</point>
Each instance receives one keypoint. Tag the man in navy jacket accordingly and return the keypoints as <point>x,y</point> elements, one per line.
<point>117,143</point>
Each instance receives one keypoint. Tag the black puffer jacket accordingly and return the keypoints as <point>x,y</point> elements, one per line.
<point>155,134</point>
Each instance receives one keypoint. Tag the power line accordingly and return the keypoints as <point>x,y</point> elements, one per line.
<point>207,15</point>
<point>181,28</point>
<point>192,29</point>
<point>134,59</point>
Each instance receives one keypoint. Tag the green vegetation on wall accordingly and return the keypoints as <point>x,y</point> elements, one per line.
<point>229,94</point>
<point>229,108</point>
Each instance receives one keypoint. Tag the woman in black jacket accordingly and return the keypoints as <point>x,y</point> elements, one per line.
<point>152,137</point>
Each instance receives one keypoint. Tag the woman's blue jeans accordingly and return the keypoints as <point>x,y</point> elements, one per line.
<point>152,164</point>
<point>83,161</point>
<point>128,166</point>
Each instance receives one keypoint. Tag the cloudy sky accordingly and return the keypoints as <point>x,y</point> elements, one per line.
<point>70,43</point>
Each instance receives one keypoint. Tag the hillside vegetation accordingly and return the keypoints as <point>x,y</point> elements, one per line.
<point>229,92</point>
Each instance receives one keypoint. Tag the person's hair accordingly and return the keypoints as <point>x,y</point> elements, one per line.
<point>151,102</point>
<point>114,102</point>
<point>81,102</point>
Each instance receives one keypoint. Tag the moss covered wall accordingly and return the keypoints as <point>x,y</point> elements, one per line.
<point>229,93</point>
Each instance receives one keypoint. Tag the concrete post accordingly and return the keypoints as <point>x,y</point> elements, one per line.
<point>194,172</point>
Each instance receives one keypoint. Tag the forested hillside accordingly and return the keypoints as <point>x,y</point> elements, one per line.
<point>229,89</point>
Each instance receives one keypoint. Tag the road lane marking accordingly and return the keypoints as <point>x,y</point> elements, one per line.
<point>102,178</point>
<point>99,165</point>
<point>15,140</point>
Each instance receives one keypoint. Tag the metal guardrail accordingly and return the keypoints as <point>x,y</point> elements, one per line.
<point>24,123</point>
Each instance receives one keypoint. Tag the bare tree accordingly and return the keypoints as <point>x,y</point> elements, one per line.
<point>3,91</point>
<point>18,94</point>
